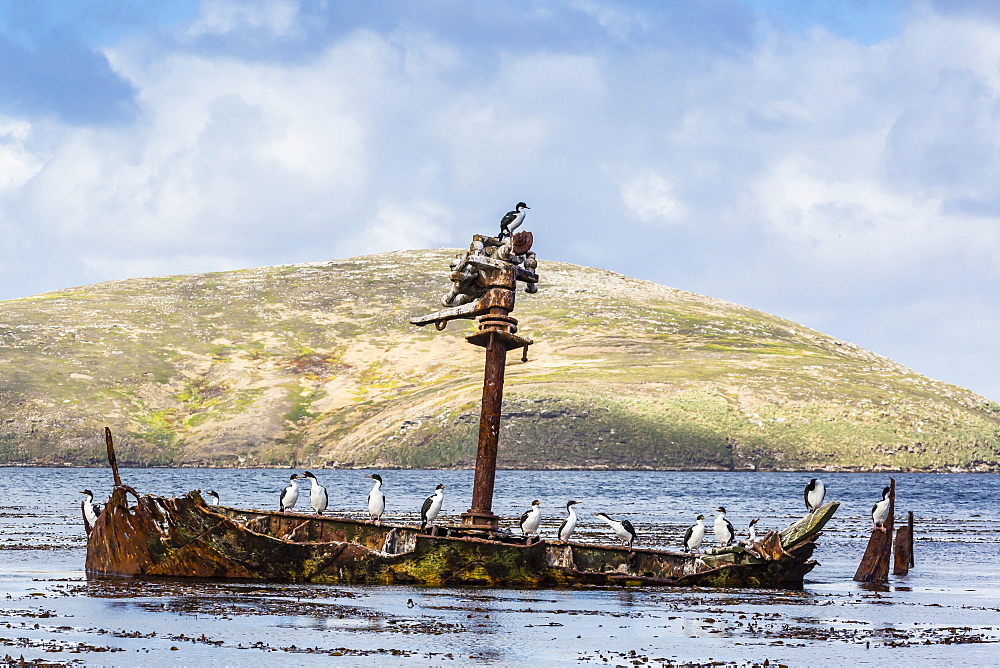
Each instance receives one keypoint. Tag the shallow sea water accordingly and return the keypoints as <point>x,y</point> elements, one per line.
<point>946,611</point>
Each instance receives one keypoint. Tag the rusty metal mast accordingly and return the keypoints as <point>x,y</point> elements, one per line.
<point>485,280</point>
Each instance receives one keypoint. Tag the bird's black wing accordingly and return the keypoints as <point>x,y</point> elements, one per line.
<point>424,508</point>
<point>805,495</point>
<point>561,527</point>
<point>732,532</point>
<point>687,536</point>
<point>281,499</point>
<point>628,527</point>
<point>524,516</point>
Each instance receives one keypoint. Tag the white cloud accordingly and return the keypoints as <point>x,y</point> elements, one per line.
<point>820,167</point>
<point>615,18</point>
<point>17,164</point>
<point>419,224</point>
<point>650,198</point>
<point>222,17</point>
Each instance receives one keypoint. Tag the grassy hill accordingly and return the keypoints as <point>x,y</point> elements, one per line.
<point>316,364</point>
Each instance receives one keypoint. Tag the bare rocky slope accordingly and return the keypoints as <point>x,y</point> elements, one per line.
<point>316,365</point>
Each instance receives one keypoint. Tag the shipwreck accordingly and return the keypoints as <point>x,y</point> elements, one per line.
<point>140,535</point>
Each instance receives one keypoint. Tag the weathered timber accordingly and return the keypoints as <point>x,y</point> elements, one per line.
<point>874,566</point>
<point>112,459</point>
<point>184,537</point>
<point>902,547</point>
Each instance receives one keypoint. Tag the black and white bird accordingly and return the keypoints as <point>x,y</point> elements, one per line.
<point>512,220</point>
<point>752,530</point>
<point>213,497</point>
<point>317,494</point>
<point>531,519</point>
<point>376,500</point>
<point>723,528</point>
<point>432,506</point>
<point>694,535</point>
<point>624,529</point>
<point>90,510</point>
<point>813,494</point>
<point>880,511</point>
<point>569,524</point>
<point>290,495</point>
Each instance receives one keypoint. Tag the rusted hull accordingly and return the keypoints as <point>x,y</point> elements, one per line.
<point>183,537</point>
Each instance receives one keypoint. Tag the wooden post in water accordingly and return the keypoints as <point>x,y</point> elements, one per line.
<point>485,281</point>
<point>112,460</point>
<point>874,565</point>
<point>902,547</point>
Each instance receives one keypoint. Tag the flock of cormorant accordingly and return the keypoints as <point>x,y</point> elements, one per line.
<point>814,493</point>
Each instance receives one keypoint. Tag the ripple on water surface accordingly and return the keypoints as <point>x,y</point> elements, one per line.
<point>946,610</point>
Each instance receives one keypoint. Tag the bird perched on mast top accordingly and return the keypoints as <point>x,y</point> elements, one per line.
<point>512,220</point>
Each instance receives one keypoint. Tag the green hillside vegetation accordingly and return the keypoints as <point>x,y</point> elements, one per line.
<point>317,365</point>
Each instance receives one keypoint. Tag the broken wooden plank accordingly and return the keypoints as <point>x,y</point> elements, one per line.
<point>808,526</point>
<point>902,547</point>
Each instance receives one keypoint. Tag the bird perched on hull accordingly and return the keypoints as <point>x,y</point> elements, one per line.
<point>624,529</point>
<point>290,494</point>
<point>317,494</point>
<point>569,524</point>
<point>90,510</point>
<point>531,519</point>
<point>880,511</point>
<point>752,530</point>
<point>694,535</point>
<point>813,494</point>
<point>723,528</point>
<point>432,506</point>
<point>512,220</point>
<point>213,497</point>
<point>376,500</point>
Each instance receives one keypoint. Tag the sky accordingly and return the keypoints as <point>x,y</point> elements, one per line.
<point>835,163</point>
